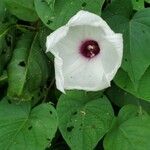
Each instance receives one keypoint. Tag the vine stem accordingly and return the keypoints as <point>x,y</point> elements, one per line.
<point>25,26</point>
<point>51,84</point>
<point>140,107</point>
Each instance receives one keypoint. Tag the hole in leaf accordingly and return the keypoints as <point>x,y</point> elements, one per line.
<point>47,84</point>
<point>32,98</point>
<point>48,139</point>
<point>9,101</point>
<point>22,64</point>
<point>39,94</point>
<point>49,22</point>
<point>29,128</point>
<point>146,4</point>
<point>4,51</point>
<point>51,112</point>
<point>41,89</point>
<point>74,113</point>
<point>69,129</point>
<point>84,4</point>
<point>8,40</point>
<point>102,96</point>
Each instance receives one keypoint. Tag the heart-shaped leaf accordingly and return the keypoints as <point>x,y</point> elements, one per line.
<point>131,130</point>
<point>24,128</point>
<point>83,119</point>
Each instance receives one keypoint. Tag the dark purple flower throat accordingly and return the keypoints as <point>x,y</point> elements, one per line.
<point>89,48</point>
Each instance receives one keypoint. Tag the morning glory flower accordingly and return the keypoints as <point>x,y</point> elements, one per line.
<point>87,53</point>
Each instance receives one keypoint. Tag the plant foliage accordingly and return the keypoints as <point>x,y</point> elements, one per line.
<point>34,115</point>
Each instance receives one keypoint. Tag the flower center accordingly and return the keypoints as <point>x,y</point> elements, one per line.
<point>89,48</point>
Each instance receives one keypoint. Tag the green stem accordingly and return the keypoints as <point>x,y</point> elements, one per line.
<point>51,84</point>
<point>25,26</point>
<point>3,78</point>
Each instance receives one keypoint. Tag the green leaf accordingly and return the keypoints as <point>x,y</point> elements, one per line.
<point>23,128</point>
<point>2,10</point>
<point>5,16</point>
<point>28,70</point>
<point>131,130</point>
<point>136,34</point>
<point>143,92</point>
<point>6,44</point>
<point>23,9</point>
<point>148,1</point>
<point>58,14</point>
<point>138,4</point>
<point>83,119</point>
<point>4,28</point>
<point>120,98</point>
<point>43,33</point>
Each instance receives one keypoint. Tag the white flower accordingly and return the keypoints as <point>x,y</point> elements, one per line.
<point>87,53</point>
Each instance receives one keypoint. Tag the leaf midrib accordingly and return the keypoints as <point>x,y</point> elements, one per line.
<point>28,60</point>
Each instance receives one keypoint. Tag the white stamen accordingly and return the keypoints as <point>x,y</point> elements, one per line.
<point>90,47</point>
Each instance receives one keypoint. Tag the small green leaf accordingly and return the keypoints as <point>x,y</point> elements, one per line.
<point>23,128</point>
<point>83,119</point>
<point>148,1</point>
<point>56,13</point>
<point>23,9</point>
<point>129,112</point>
<point>143,92</point>
<point>138,4</point>
<point>28,70</point>
<point>120,98</point>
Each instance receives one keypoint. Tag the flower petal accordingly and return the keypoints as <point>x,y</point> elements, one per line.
<point>55,37</point>
<point>90,19</point>
<point>58,74</point>
<point>85,75</point>
<point>111,54</point>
